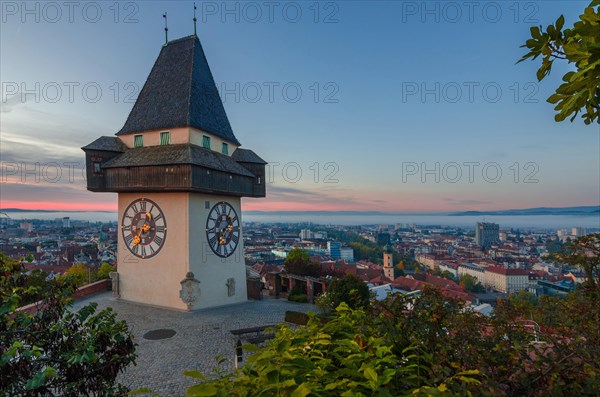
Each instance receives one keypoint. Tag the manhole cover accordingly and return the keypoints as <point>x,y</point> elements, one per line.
<point>159,334</point>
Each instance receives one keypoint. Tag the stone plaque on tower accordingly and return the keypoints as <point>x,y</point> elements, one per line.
<point>180,174</point>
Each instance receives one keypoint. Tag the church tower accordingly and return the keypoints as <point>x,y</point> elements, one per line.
<point>180,174</point>
<point>388,262</point>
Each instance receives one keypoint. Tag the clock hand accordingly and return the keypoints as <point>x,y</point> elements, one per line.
<point>144,228</point>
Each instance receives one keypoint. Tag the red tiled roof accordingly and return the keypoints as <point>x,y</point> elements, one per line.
<point>507,272</point>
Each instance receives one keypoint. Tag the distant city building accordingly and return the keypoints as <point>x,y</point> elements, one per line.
<point>562,234</point>
<point>335,249</point>
<point>305,234</point>
<point>347,254</point>
<point>26,226</point>
<point>385,228</point>
<point>498,278</point>
<point>502,236</point>
<point>486,233</point>
<point>578,232</point>
<point>66,222</point>
<point>279,253</point>
<point>319,235</point>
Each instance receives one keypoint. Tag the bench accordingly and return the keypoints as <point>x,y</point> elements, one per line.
<point>259,338</point>
<point>251,330</point>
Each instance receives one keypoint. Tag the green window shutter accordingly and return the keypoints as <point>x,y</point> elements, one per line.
<point>138,141</point>
<point>225,148</point>
<point>206,142</point>
<point>165,138</point>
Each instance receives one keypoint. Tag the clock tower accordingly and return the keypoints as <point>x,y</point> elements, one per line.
<point>180,174</point>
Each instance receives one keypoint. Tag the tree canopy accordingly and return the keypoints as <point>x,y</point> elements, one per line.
<point>580,46</point>
<point>298,262</point>
<point>54,350</point>
<point>584,252</point>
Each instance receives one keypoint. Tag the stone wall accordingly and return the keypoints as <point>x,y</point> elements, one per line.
<point>81,292</point>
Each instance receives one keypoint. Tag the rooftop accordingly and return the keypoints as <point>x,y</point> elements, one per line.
<point>180,92</point>
<point>183,153</point>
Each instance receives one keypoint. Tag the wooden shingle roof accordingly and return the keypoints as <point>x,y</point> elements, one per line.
<point>180,92</point>
<point>247,156</point>
<point>107,143</point>
<point>185,153</point>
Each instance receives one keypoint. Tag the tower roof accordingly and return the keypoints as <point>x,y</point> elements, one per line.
<point>183,153</point>
<point>180,92</point>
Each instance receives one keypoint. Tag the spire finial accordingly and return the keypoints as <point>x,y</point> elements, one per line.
<point>195,34</point>
<point>166,28</point>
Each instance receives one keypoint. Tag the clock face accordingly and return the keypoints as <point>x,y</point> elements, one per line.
<point>144,228</point>
<point>223,229</point>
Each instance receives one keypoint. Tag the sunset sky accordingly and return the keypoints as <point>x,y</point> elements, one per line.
<point>356,105</point>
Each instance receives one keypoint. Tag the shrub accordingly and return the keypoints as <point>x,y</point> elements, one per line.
<point>104,270</point>
<point>299,298</point>
<point>348,289</point>
<point>297,318</point>
<point>56,351</point>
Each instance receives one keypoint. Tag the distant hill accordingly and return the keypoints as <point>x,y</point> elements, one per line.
<point>585,211</point>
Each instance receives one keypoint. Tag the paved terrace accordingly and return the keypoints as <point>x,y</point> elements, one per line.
<point>201,336</point>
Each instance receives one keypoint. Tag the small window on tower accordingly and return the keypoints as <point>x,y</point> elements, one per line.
<point>138,141</point>
<point>165,138</point>
<point>225,148</point>
<point>206,142</point>
<point>96,168</point>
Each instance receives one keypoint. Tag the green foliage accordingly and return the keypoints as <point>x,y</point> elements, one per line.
<point>298,318</point>
<point>427,345</point>
<point>470,283</point>
<point>104,270</point>
<point>554,247</point>
<point>383,239</point>
<point>56,351</point>
<point>367,250</point>
<point>297,294</point>
<point>299,298</point>
<point>343,357</point>
<point>297,255</point>
<point>78,274</point>
<point>584,252</point>
<point>445,274</point>
<point>298,262</point>
<point>349,290</point>
<point>580,46</point>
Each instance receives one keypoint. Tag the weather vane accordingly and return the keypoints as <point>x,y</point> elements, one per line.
<point>195,19</point>
<point>166,28</point>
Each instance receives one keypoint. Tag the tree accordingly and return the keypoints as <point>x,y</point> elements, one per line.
<point>349,290</point>
<point>298,262</point>
<point>104,270</point>
<point>56,351</point>
<point>554,247</point>
<point>584,252</point>
<point>580,46</point>
<point>78,273</point>
<point>470,283</point>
